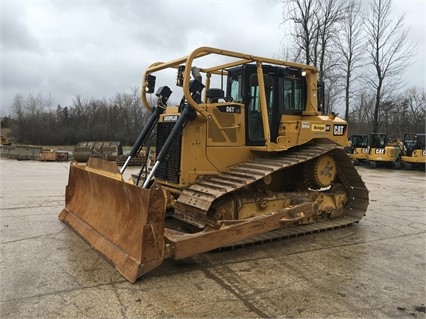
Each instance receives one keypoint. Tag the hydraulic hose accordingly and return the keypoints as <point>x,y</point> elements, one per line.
<point>153,119</point>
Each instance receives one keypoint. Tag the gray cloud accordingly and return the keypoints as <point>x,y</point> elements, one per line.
<point>98,48</point>
<point>16,35</point>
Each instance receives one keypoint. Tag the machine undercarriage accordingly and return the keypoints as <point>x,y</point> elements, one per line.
<point>265,186</point>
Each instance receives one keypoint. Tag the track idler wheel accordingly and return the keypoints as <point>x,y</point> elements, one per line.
<point>321,171</point>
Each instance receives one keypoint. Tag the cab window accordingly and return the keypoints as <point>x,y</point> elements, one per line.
<point>292,97</point>
<point>236,89</point>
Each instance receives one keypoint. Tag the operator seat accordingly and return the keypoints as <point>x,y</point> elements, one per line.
<point>214,95</point>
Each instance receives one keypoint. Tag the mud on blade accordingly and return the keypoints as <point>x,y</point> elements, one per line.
<point>121,221</point>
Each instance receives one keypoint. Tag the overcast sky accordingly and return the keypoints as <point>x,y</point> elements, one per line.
<point>99,48</point>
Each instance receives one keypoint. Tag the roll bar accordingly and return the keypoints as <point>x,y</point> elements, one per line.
<point>241,58</point>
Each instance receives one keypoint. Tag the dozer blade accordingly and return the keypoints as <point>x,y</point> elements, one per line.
<point>123,222</point>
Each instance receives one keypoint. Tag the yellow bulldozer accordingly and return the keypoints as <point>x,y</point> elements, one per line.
<point>245,156</point>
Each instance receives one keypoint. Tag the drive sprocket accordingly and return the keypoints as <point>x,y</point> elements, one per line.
<point>321,171</point>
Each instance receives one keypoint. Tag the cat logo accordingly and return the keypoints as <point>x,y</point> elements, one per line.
<point>339,129</point>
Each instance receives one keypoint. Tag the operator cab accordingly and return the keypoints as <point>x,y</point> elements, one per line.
<point>378,140</point>
<point>359,141</point>
<point>414,142</point>
<point>285,91</point>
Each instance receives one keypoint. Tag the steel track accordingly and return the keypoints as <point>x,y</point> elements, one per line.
<point>200,196</point>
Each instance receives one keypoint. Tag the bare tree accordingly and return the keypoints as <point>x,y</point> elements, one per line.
<point>351,48</point>
<point>361,115</point>
<point>332,91</point>
<point>18,107</point>
<point>329,14</point>
<point>315,31</point>
<point>389,52</point>
<point>302,14</point>
<point>413,105</point>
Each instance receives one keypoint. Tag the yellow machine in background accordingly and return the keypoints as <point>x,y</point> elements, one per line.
<point>4,140</point>
<point>359,148</point>
<point>384,153</point>
<point>415,152</point>
<point>245,156</point>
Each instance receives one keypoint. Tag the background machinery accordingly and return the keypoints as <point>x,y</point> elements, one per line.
<point>243,157</point>
<point>359,148</point>
<point>109,150</point>
<point>415,152</point>
<point>4,140</point>
<point>384,153</point>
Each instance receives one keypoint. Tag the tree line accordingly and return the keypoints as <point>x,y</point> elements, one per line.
<point>404,113</point>
<point>37,121</point>
<point>121,118</point>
